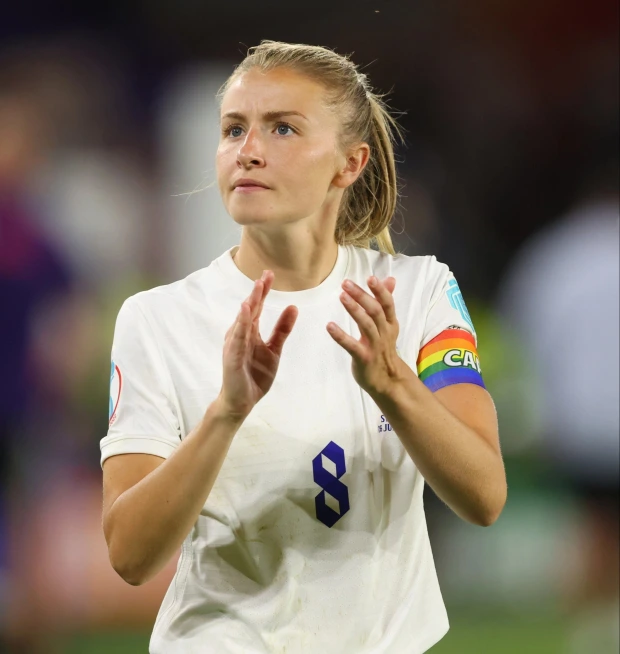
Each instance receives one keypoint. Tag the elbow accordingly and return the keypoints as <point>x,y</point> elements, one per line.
<point>487,519</point>
<point>130,573</point>
<point>124,562</point>
<point>491,511</point>
<point>125,573</point>
<point>132,579</point>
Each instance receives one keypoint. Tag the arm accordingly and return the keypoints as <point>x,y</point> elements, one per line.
<point>145,520</point>
<point>452,437</point>
<point>151,504</point>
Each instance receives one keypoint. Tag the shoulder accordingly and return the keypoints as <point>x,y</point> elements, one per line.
<point>424,272</point>
<point>174,296</point>
<point>400,262</point>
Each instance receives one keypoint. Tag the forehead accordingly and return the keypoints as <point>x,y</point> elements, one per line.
<point>276,90</point>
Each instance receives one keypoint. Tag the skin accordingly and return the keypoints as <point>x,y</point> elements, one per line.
<point>288,244</point>
<point>288,228</point>
<point>451,435</point>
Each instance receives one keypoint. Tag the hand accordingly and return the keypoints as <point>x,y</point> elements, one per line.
<point>249,364</point>
<point>375,363</point>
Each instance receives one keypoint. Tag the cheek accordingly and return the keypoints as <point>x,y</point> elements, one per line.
<point>223,164</point>
<point>221,157</point>
<point>312,170</point>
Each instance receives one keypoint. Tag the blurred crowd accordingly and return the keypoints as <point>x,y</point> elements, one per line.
<point>108,129</point>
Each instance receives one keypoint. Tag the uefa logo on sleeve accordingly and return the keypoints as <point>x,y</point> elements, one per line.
<point>116,383</point>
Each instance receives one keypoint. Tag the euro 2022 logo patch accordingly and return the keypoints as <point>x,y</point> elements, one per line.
<point>457,302</point>
<point>116,384</point>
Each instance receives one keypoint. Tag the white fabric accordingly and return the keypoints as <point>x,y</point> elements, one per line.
<point>259,572</point>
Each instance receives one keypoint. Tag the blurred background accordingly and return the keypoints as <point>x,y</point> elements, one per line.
<point>108,129</point>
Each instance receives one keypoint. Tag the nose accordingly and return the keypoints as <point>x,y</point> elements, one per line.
<point>250,153</point>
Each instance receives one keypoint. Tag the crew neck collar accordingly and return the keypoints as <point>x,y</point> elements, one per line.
<point>330,285</point>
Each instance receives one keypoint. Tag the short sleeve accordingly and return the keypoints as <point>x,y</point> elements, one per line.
<point>448,352</point>
<point>142,414</point>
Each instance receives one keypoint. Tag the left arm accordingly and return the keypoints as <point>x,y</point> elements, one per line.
<point>451,435</point>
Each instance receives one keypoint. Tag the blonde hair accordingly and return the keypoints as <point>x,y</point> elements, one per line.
<point>368,205</point>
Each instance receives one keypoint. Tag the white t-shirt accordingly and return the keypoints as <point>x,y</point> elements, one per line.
<point>313,538</point>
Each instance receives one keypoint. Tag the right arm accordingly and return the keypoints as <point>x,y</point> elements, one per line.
<point>149,503</point>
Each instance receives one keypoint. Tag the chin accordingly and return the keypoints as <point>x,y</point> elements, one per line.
<point>248,217</point>
<point>258,213</point>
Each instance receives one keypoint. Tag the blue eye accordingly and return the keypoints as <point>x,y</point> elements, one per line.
<point>234,131</point>
<point>283,129</point>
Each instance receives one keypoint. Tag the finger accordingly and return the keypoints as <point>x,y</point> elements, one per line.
<point>351,345</point>
<point>390,283</point>
<point>249,301</point>
<point>238,338</point>
<point>370,304</point>
<point>367,325</point>
<point>231,329</point>
<point>254,301</point>
<point>267,280</point>
<point>383,293</point>
<point>254,298</point>
<point>282,329</point>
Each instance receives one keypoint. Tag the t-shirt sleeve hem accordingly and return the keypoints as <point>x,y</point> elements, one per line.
<point>113,445</point>
<point>454,323</point>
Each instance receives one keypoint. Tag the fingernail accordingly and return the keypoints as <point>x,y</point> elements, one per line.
<point>372,281</point>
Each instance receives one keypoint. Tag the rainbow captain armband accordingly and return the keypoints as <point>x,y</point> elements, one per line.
<point>450,358</point>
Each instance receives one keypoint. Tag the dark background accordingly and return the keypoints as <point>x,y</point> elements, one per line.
<point>510,111</point>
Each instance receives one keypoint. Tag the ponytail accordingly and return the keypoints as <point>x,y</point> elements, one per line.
<point>369,203</point>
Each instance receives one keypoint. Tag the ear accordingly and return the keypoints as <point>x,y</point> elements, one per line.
<point>355,160</point>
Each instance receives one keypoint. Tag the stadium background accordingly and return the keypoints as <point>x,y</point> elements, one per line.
<point>108,123</point>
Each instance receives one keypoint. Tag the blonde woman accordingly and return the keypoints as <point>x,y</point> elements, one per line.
<point>276,414</point>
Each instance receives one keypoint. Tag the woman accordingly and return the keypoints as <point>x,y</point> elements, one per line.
<point>292,477</point>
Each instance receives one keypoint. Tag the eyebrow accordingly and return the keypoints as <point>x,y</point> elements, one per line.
<point>268,116</point>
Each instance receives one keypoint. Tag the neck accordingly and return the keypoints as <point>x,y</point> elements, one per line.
<point>296,266</point>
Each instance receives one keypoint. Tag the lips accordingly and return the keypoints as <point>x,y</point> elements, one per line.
<point>249,183</point>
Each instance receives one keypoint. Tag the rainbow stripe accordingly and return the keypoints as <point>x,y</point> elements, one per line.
<point>450,358</point>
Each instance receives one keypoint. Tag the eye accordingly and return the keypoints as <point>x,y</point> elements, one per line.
<point>232,130</point>
<point>284,129</point>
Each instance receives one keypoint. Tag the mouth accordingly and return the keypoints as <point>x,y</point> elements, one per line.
<point>249,185</point>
